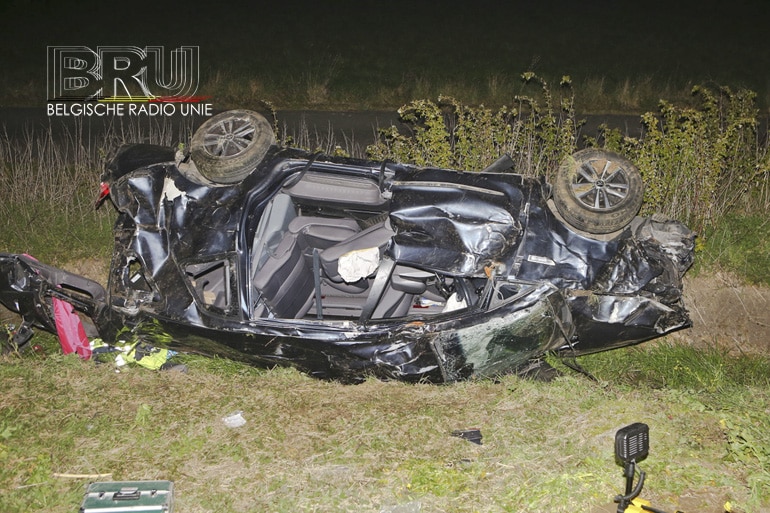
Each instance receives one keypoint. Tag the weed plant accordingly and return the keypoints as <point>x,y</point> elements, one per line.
<point>699,163</point>
<point>50,179</point>
<point>537,132</point>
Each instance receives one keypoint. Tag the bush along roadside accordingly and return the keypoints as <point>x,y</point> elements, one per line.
<point>450,134</point>
<point>699,163</point>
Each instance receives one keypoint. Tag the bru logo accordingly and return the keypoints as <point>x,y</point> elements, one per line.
<point>123,74</point>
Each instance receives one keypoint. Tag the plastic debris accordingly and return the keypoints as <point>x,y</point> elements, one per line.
<point>472,435</point>
<point>69,328</point>
<point>234,420</point>
<point>147,356</point>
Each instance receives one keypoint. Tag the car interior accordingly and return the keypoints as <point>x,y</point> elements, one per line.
<point>319,253</point>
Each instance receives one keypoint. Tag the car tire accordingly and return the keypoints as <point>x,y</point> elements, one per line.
<point>228,147</point>
<point>598,191</point>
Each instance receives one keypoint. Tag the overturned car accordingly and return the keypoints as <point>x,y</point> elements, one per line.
<point>347,268</point>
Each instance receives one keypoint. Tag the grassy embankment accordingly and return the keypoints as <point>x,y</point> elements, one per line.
<point>316,446</point>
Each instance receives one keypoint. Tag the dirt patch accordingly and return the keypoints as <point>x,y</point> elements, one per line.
<point>92,268</point>
<point>727,314</point>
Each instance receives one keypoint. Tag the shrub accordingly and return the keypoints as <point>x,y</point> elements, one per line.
<point>699,163</point>
<point>450,134</point>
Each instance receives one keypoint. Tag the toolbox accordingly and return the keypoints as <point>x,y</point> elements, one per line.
<point>125,496</point>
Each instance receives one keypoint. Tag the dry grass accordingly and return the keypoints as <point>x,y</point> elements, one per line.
<point>310,445</point>
<point>50,179</point>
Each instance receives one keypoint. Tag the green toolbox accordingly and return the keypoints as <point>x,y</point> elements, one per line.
<point>125,496</point>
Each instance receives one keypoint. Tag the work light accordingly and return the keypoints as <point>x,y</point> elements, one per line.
<point>632,444</point>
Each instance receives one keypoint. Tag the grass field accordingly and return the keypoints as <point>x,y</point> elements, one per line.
<point>309,445</point>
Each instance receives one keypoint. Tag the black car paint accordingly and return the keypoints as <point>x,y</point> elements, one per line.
<point>536,284</point>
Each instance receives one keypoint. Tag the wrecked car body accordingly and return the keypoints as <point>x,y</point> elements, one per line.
<point>348,268</point>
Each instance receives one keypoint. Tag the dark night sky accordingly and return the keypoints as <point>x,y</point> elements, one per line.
<point>708,39</point>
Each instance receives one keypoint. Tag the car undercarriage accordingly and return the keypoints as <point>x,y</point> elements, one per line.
<point>346,268</point>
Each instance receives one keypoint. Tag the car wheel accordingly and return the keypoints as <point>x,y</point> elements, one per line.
<point>598,191</point>
<point>229,146</point>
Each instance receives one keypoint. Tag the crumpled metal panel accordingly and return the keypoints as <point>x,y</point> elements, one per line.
<point>650,262</point>
<point>551,252</point>
<point>455,223</point>
<point>538,285</point>
<point>637,295</point>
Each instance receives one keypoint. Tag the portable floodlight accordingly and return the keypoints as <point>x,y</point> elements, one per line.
<point>632,444</point>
